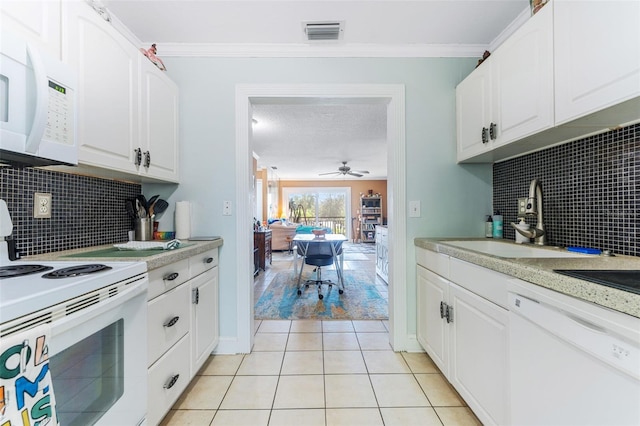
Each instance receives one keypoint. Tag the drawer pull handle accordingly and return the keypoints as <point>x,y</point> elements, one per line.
<point>485,135</point>
<point>172,381</point>
<point>171,322</point>
<point>170,277</point>
<point>493,131</point>
<point>137,160</point>
<point>208,260</point>
<point>449,314</point>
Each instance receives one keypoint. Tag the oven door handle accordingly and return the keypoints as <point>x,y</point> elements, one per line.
<point>134,289</point>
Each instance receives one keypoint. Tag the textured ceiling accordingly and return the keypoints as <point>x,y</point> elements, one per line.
<point>306,137</point>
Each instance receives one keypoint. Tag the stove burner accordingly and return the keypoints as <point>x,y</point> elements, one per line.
<point>76,271</point>
<point>20,270</point>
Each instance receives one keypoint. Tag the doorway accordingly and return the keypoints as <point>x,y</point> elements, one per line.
<point>394,94</point>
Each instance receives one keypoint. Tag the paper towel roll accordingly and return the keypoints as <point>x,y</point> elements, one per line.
<point>183,220</point>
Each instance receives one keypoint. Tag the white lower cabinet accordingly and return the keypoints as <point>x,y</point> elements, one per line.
<point>433,289</point>
<point>183,327</point>
<point>382,253</point>
<point>204,317</point>
<point>466,335</point>
<point>167,379</point>
<point>479,337</point>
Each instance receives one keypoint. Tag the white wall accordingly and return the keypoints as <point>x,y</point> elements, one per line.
<point>454,198</point>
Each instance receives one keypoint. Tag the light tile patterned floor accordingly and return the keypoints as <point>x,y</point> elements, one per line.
<point>323,373</point>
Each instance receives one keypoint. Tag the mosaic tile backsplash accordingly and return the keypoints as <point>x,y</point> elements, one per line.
<point>86,211</point>
<point>591,190</point>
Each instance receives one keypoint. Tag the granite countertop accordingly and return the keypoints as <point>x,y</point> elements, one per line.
<point>539,271</point>
<point>164,257</point>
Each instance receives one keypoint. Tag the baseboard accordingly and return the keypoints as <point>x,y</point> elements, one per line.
<point>412,344</point>
<point>227,346</point>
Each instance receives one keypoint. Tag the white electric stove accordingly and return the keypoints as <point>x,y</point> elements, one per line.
<point>96,313</point>
<point>27,287</point>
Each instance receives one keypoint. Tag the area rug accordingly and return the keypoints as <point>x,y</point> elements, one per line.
<point>355,256</point>
<point>360,300</point>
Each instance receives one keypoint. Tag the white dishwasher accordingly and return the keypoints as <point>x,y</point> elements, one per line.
<point>572,362</point>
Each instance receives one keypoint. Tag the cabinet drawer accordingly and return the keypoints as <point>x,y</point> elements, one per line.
<point>160,397</point>
<point>167,321</point>
<point>436,262</point>
<point>163,279</point>
<point>203,262</point>
<point>485,283</point>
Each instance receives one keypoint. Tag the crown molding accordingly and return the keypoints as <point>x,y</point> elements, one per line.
<point>331,50</point>
<point>511,28</point>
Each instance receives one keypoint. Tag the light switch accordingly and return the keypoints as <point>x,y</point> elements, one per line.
<point>414,208</point>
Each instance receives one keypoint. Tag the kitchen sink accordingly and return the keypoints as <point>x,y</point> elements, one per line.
<point>512,250</point>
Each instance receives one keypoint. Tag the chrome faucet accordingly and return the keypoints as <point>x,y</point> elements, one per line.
<point>534,208</point>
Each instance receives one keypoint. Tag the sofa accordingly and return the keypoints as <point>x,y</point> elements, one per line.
<point>279,234</point>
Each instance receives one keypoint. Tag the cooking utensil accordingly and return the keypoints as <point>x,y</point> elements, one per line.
<point>143,202</point>
<point>151,202</point>
<point>141,212</point>
<point>160,206</point>
<point>129,206</point>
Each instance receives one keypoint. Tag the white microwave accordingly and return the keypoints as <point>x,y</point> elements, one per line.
<point>37,106</point>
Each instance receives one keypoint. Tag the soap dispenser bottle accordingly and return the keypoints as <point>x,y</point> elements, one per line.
<point>488,227</point>
<point>525,227</point>
<point>497,225</point>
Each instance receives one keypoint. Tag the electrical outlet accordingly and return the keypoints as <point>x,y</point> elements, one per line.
<point>42,205</point>
<point>522,207</point>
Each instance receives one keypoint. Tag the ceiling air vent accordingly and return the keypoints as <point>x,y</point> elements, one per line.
<point>322,31</point>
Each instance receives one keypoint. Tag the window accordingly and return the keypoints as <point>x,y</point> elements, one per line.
<point>325,207</point>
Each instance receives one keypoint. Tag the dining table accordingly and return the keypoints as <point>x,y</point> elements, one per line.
<point>302,242</point>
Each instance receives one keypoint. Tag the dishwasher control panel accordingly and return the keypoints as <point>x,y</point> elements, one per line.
<point>580,332</point>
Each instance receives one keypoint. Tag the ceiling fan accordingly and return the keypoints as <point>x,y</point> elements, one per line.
<point>346,170</point>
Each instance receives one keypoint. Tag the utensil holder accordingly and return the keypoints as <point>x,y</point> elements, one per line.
<point>143,229</point>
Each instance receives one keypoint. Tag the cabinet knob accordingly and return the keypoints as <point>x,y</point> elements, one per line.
<point>147,159</point>
<point>208,260</point>
<point>137,160</point>
<point>485,135</point>
<point>170,277</point>
<point>172,381</point>
<point>171,322</point>
<point>493,131</point>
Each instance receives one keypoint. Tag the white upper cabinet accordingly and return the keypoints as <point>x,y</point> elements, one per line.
<point>108,110</point>
<point>597,57</point>
<point>510,95</point>
<point>571,70</point>
<point>473,110</point>
<point>35,21</point>
<point>522,72</point>
<point>159,130</point>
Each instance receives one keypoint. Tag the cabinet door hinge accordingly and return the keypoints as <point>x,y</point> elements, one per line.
<point>195,296</point>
